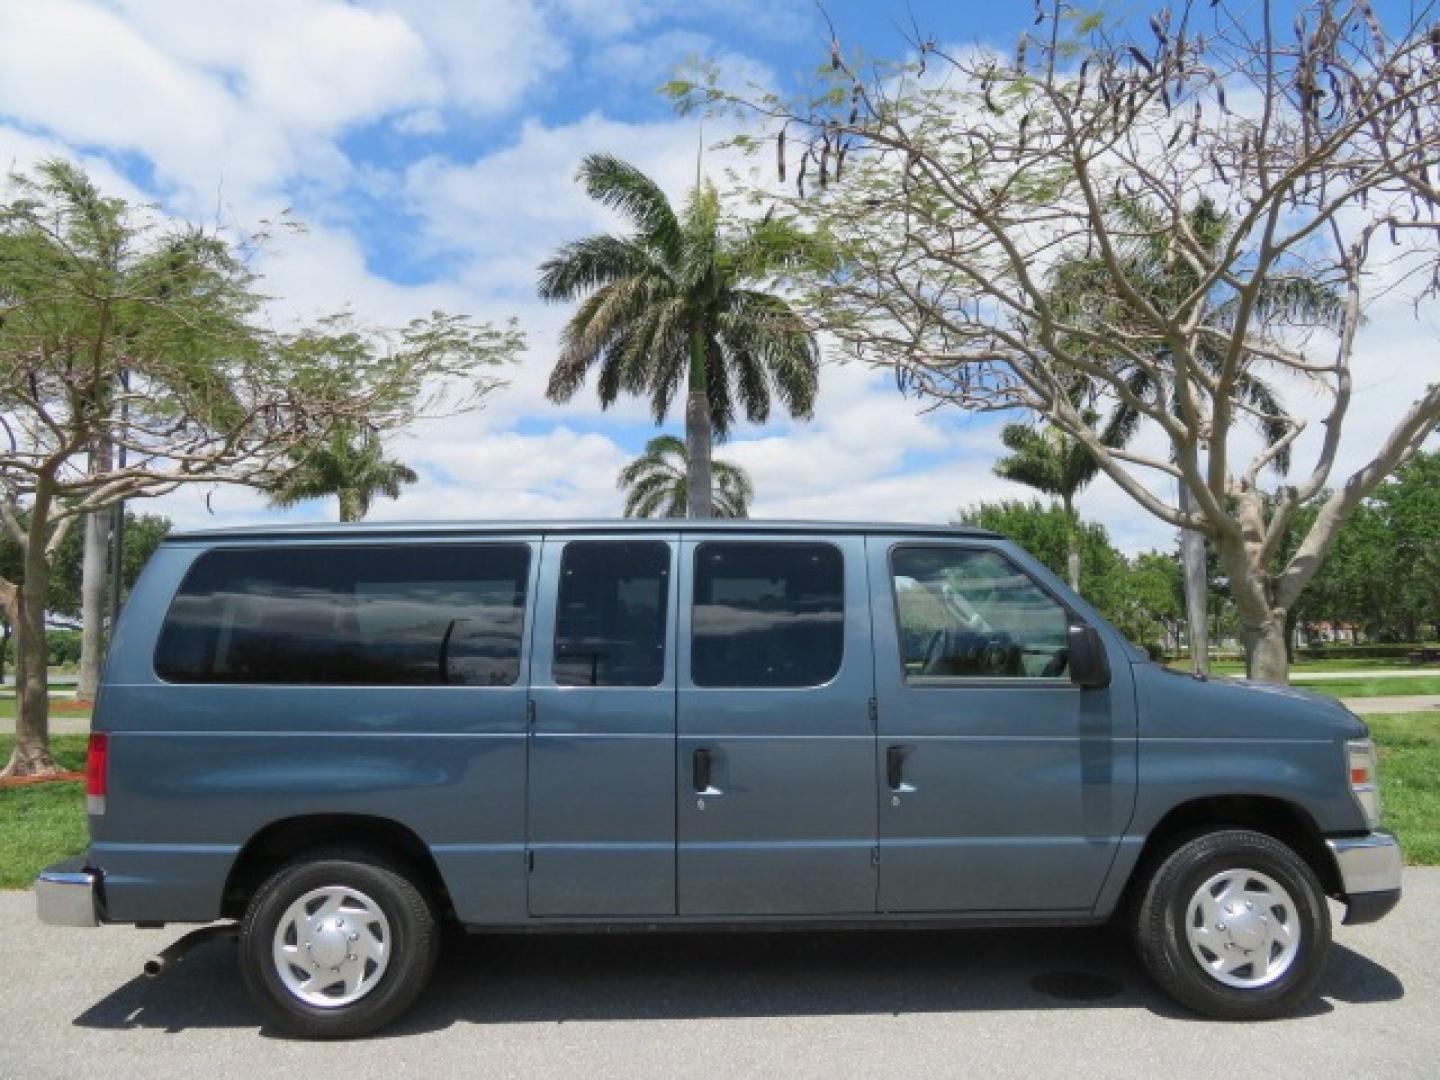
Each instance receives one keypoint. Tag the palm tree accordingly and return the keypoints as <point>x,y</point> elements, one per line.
<point>676,302</point>
<point>1056,464</point>
<point>656,484</point>
<point>351,467</point>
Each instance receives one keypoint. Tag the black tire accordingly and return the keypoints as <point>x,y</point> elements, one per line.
<point>413,947</point>
<point>1163,908</point>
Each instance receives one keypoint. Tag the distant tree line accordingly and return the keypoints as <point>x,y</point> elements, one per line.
<point>1380,584</point>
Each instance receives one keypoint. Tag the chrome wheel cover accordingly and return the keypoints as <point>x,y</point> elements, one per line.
<point>332,946</point>
<point>1243,929</point>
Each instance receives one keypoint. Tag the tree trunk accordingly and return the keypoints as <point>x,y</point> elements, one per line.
<point>1072,545</point>
<point>92,601</point>
<point>349,506</point>
<point>1266,655</point>
<point>697,434</point>
<point>1262,622</point>
<point>31,756</point>
<point>10,606</point>
<point>1197,593</point>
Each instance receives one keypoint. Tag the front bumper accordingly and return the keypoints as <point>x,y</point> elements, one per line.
<point>68,894</point>
<point>1370,868</point>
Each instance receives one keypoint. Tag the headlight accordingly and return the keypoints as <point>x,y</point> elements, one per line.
<point>1361,764</point>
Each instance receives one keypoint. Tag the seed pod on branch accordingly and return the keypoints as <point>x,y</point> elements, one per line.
<point>1159,30</point>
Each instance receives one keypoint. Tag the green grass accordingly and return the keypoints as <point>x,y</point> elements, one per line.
<point>1380,686</point>
<point>7,702</point>
<point>1298,669</point>
<point>41,823</point>
<point>44,823</point>
<point>1409,745</point>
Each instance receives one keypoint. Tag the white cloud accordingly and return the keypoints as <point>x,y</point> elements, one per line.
<point>254,101</point>
<point>606,19</point>
<point>488,55</point>
<point>647,62</point>
<point>421,122</point>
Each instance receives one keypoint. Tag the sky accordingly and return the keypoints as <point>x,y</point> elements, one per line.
<point>431,147</point>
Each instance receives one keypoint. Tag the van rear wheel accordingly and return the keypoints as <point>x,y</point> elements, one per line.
<point>337,945</point>
<point>1234,925</point>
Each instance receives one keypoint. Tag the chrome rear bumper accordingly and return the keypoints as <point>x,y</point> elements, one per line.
<point>68,894</point>
<point>1370,868</point>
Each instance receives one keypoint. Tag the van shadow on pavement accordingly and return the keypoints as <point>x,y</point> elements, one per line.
<point>507,979</point>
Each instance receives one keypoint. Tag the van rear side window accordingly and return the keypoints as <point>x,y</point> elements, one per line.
<point>447,615</point>
<point>767,614</point>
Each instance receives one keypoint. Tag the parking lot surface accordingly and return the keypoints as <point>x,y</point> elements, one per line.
<point>863,1004</point>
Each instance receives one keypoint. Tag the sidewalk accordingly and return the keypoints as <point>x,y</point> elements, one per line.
<point>1378,673</point>
<point>1371,706</point>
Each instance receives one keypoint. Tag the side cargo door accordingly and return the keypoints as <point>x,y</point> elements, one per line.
<point>775,762</point>
<point>1005,787</point>
<point>601,773</point>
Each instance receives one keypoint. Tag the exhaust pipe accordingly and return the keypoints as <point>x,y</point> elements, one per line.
<point>173,953</point>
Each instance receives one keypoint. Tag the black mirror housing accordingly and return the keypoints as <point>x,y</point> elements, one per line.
<point>1089,665</point>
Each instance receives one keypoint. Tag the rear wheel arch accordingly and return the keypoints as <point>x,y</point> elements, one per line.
<point>289,839</point>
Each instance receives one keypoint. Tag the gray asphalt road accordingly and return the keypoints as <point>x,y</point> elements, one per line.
<point>917,1004</point>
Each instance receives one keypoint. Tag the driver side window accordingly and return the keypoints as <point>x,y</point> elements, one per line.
<point>970,613</point>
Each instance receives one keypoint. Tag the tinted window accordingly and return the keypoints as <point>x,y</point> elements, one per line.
<point>610,619</point>
<point>767,614</point>
<point>402,615</point>
<point>975,614</point>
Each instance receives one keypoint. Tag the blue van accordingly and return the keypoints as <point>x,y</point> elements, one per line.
<point>345,737</point>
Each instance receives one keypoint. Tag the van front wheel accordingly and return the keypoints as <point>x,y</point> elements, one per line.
<point>1233,924</point>
<point>338,945</point>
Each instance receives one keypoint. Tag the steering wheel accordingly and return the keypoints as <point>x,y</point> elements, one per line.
<point>995,657</point>
<point>934,652</point>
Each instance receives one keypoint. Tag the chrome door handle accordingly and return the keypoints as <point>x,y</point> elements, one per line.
<point>702,775</point>
<point>895,769</point>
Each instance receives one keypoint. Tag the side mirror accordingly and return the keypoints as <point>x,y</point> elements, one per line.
<point>1089,666</point>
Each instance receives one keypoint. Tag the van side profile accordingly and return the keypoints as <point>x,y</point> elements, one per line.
<point>345,736</point>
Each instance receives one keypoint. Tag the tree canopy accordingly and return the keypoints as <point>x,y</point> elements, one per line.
<point>943,190</point>
<point>679,301</point>
<point>656,485</point>
<point>122,329</point>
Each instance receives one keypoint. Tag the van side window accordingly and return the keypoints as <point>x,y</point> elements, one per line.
<point>973,614</point>
<point>767,614</point>
<point>610,617</point>
<point>446,615</point>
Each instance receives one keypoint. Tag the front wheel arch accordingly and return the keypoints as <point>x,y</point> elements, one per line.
<point>1285,821</point>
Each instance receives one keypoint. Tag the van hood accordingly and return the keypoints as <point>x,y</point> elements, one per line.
<point>1178,703</point>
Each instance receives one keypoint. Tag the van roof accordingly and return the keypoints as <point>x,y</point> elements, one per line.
<point>311,530</point>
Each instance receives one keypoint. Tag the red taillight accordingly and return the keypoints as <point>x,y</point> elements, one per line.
<point>97,757</point>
